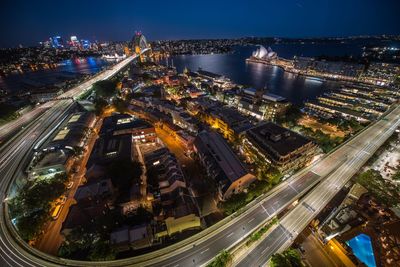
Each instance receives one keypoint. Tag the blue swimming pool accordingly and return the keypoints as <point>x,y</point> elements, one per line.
<point>362,249</point>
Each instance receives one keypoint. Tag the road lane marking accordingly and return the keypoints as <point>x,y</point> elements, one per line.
<point>291,186</point>
<point>230,234</point>
<point>262,252</point>
<point>251,220</point>
<point>366,152</point>
<point>204,251</point>
<point>346,170</point>
<point>265,209</point>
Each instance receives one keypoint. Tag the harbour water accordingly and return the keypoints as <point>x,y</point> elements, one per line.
<point>295,88</point>
<point>67,70</point>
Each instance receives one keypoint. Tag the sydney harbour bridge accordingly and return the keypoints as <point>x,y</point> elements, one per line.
<point>139,43</point>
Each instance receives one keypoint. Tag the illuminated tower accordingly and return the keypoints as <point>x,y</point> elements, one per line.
<point>139,42</point>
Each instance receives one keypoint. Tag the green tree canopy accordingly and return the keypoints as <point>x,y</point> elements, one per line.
<point>7,112</point>
<point>120,105</point>
<point>124,172</point>
<point>223,259</point>
<point>289,258</point>
<point>293,256</point>
<point>105,88</point>
<point>100,105</point>
<point>31,206</point>
<point>291,116</point>
<point>383,190</point>
<point>279,260</point>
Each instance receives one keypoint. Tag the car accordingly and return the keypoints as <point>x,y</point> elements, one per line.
<point>56,211</point>
<point>70,184</point>
<point>76,169</point>
<point>62,199</point>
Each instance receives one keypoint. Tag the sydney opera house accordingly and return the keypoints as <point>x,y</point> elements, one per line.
<point>264,53</point>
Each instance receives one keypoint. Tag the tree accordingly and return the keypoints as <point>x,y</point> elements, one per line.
<point>91,241</point>
<point>120,105</point>
<point>279,260</point>
<point>7,112</point>
<point>141,215</point>
<point>293,256</point>
<point>78,151</point>
<point>291,116</point>
<point>396,176</point>
<point>223,259</point>
<point>235,202</point>
<point>105,88</point>
<point>124,172</point>
<point>257,188</point>
<point>31,206</point>
<point>383,190</point>
<point>101,251</point>
<point>274,175</point>
<point>29,226</point>
<point>100,105</point>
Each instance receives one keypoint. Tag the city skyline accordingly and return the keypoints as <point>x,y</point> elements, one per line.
<point>181,20</point>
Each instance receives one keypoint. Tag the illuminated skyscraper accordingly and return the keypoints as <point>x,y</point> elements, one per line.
<point>56,42</point>
<point>85,44</point>
<point>74,41</point>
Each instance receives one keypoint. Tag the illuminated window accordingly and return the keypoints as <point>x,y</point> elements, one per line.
<point>124,121</point>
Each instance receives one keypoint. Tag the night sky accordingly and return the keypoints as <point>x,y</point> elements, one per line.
<point>29,21</point>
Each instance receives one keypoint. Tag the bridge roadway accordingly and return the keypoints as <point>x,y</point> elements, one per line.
<point>9,128</point>
<point>16,153</point>
<point>196,250</point>
<point>358,151</point>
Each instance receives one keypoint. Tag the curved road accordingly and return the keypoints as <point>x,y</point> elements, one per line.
<point>195,251</point>
<point>9,128</point>
<point>294,222</point>
<point>17,152</point>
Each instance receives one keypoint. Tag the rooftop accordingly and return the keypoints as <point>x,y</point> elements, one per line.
<point>122,121</point>
<point>209,74</point>
<point>223,155</point>
<point>72,131</point>
<point>274,138</point>
<point>57,157</point>
<point>232,117</point>
<point>273,97</point>
<point>80,216</point>
<point>110,148</point>
<point>98,189</point>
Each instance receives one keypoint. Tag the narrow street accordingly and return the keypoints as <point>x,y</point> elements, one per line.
<point>316,254</point>
<point>52,239</point>
<point>194,174</point>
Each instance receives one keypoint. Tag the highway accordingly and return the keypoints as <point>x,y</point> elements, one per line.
<point>357,152</point>
<point>232,231</point>
<point>15,157</point>
<point>9,128</point>
<point>17,152</point>
<point>201,248</point>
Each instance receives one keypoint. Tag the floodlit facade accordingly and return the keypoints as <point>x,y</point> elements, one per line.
<point>284,149</point>
<point>222,164</point>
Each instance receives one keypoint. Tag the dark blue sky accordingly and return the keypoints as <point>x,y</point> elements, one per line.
<point>29,21</point>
